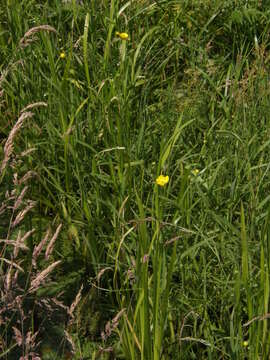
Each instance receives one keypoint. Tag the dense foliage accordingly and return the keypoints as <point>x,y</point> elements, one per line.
<point>98,100</point>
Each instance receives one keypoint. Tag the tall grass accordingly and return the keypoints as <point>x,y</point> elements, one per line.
<point>173,272</point>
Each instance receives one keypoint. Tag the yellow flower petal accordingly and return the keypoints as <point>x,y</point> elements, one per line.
<point>62,55</point>
<point>123,35</point>
<point>195,172</point>
<point>162,180</point>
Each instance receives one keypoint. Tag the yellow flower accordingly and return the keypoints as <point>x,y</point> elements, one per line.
<point>245,343</point>
<point>162,180</point>
<point>123,35</point>
<point>195,172</point>
<point>62,55</point>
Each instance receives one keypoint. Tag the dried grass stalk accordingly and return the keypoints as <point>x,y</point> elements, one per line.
<point>34,105</point>
<point>20,198</point>
<point>16,248</point>
<point>27,176</point>
<point>14,243</point>
<point>115,320</point>
<point>20,242</point>
<point>60,304</point>
<point>15,278</point>
<point>22,213</point>
<point>112,325</point>
<point>50,246</point>
<point>75,302</point>
<point>8,279</point>
<point>18,336</point>
<point>102,271</point>
<point>8,148</point>
<point>28,36</point>
<point>39,247</point>
<point>12,263</point>
<point>27,152</point>
<point>27,234</point>
<point>35,283</point>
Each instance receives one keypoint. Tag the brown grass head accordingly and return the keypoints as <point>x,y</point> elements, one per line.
<point>39,279</point>
<point>38,248</point>
<point>75,302</point>
<point>31,204</point>
<point>9,145</point>
<point>29,37</point>
<point>34,105</point>
<point>50,246</point>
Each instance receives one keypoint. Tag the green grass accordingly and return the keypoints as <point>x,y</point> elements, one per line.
<point>187,95</point>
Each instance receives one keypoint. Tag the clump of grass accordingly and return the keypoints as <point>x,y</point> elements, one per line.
<point>25,270</point>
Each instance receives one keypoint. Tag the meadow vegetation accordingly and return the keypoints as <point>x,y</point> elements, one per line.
<point>98,100</point>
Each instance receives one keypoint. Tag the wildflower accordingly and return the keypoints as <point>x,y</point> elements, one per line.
<point>62,55</point>
<point>245,343</point>
<point>123,35</point>
<point>162,180</point>
<point>195,172</point>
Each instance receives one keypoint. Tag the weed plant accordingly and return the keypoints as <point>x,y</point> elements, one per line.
<point>150,145</point>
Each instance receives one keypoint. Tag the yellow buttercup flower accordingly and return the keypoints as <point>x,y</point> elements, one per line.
<point>195,172</point>
<point>62,55</point>
<point>123,35</point>
<point>162,180</point>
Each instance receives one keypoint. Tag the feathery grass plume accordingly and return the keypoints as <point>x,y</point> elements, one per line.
<point>8,148</point>
<point>112,325</point>
<point>60,304</point>
<point>102,271</point>
<point>28,38</point>
<point>38,280</point>
<point>34,105</point>
<point>29,345</point>
<point>18,336</point>
<point>75,302</point>
<point>19,244</point>
<point>16,247</point>
<point>14,243</point>
<point>31,204</point>
<point>49,248</point>
<point>14,279</point>
<point>17,305</point>
<point>26,235</point>
<point>8,279</point>
<point>27,176</point>
<point>20,198</point>
<point>27,152</point>
<point>38,248</point>
<point>12,263</point>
